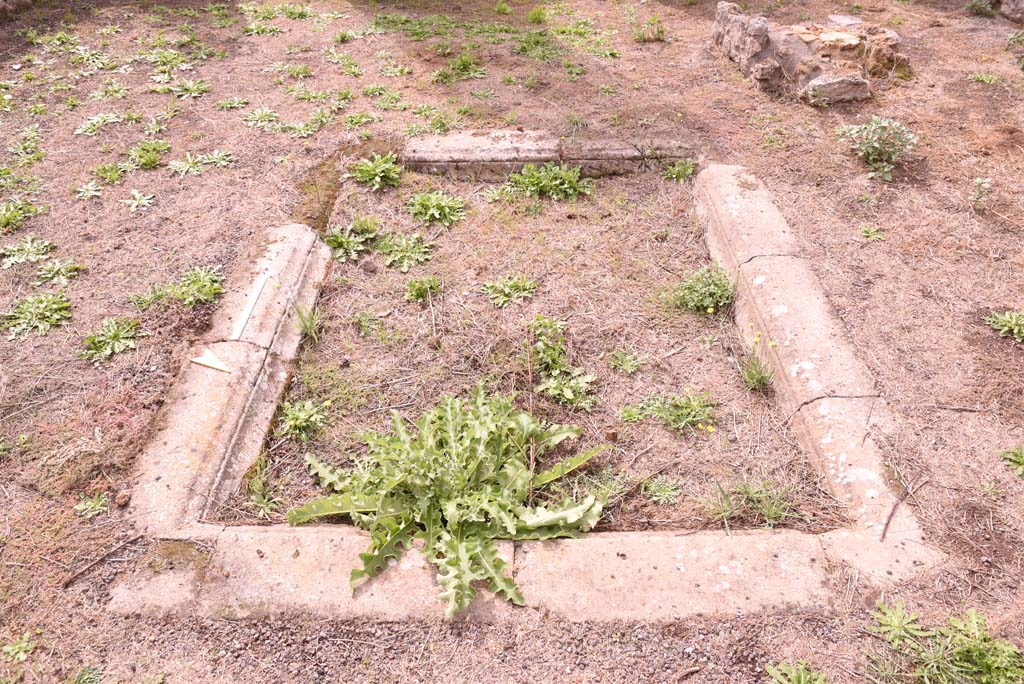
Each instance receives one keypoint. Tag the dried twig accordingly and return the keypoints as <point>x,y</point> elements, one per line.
<point>75,575</point>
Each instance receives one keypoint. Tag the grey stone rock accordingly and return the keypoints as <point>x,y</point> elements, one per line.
<point>829,88</point>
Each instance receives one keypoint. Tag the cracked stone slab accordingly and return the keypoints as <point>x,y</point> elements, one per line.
<point>660,577</point>
<point>251,572</point>
<point>495,154</point>
<point>215,420</point>
<point>258,306</point>
<point>201,417</point>
<point>746,222</point>
<point>837,414</point>
<point>486,154</point>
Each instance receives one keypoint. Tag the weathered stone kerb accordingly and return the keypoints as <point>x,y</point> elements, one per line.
<point>495,154</point>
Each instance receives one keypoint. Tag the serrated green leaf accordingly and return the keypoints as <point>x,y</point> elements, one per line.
<point>330,478</point>
<point>494,570</point>
<point>566,466</point>
<point>456,479</point>
<point>457,571</point>
<point>581,516</point>
<point>375,561</point>
<point>336,504</point>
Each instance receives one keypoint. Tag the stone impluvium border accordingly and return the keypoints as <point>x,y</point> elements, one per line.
<point>218,414</point>
<point>495,154</point>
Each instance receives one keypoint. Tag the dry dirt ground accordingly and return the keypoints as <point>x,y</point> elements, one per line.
<point>912,303</point>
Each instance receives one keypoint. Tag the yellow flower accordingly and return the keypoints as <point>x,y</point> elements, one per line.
<point>710,428</point>
<point>711,309</point>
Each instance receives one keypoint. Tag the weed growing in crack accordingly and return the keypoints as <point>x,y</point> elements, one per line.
<point>753,502</point>
<point>512,289</point>
<point>262,495</point>
<point>1007,324</point>
<point>705,291</point>
<point>310,320</point>
<point>115,335</point>
<point>757,377</point>
<point>455,494</point>
<point>422,289</point>
<point>626,361</point>
<point>404,251</point>
<point>38,315</point>
<point>1014,459</point>
<point>436,206</point>
<point>301,420</point>
<point>555,181</point>
<point>30,250</point>
<point>680,170</point>
<point>880,143</point>
<point>378,172</point>
<point>560,381</point>
<point>662,490</point>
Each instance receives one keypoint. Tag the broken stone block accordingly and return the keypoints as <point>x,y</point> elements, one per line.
<point>820,63</point>
<point>835,88</point>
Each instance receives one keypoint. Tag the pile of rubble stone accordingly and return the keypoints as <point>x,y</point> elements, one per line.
<point>820,63</point>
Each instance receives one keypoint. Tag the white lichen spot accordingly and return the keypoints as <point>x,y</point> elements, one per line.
<point>759,280</point>
<point>779,310</point>
<point>724,569</point>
